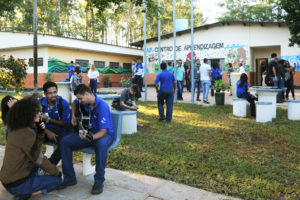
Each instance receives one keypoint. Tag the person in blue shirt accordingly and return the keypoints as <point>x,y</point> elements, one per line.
<point>165,92</point>
<point>180,71</point>
<point>138,77</point>
<point>99,134</point>
<point>216,74</point>
<point>242,92</point>
<point>170,67</point>
<point>76,79</point>
<point>56,115</point>
<point>71,69</point>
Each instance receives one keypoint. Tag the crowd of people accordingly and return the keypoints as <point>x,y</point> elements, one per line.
<point>32,121</point>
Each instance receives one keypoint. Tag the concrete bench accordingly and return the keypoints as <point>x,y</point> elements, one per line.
<point>294,109</point>
<point>240,107</point>
<point>264,111</point>
<point>129,121</point>
<point>88,168</point>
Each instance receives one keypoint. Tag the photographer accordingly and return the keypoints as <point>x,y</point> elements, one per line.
<point>100,134</point>
<point>56,115</point>
<point>127,99</point>
<point>23,153</point>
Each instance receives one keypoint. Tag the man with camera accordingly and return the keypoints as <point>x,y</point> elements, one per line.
<point>97,132</point>
<point>56,115</point>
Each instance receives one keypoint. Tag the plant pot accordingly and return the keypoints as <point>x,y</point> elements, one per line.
<point>106,84</point>
<point>220,98</point>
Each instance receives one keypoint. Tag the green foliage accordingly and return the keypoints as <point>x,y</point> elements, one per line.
<point>126,83</point>
<point>291,17</point>
<point>220,86</point>
<point>249,10</point>
<point>106,80</point>
<point>48,77</point>
<point>12,72</point>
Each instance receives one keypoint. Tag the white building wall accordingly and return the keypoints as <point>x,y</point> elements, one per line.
<point>28,53</point>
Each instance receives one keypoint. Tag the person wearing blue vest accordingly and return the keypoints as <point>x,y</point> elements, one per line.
<point>99,134</point>
<point>216,74</point>
<point>56,115</point>
<point>138,77</point>
<point>71,69</point>
<point>242,92</point>
<point>165,92</point>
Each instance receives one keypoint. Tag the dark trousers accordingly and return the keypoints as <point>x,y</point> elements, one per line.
<point>179,89</point>
<point>56,155</point>
<point>250,98</point>
<point>188,84</point>
<point>139,81</point>
<point>36,183</point>
<point>93,85</point>
<point>73,142</point>
<point>167,96</point>
<point>290,87</point>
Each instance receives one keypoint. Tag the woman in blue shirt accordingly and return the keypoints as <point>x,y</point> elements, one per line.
<point>242,92</point>
<point>216,74</point>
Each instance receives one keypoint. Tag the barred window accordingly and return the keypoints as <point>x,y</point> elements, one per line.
<point>114,65</point>
<point>40,62</point>
<point>99,64</point>
<point>127,65</point>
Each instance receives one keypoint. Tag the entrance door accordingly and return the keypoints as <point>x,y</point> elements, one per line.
<point>261,66</point>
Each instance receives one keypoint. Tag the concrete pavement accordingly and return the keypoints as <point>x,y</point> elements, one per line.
<point>121,185</point>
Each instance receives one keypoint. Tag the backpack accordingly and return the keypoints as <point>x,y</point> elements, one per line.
<point>59,106</point>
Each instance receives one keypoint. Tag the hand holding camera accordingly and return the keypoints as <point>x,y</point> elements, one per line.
<point>86,135</point>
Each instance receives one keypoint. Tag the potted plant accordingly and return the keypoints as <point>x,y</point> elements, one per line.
<point>106,80</point>
<point>220,88</point>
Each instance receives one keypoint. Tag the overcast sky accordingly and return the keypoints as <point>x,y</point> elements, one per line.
<point>210,9</point>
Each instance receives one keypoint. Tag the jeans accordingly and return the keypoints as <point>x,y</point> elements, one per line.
<point>161,97</point>
<point>188,84</point>
<point>93,85</point>
<point>179,89</point>
<point>280,83</point>
<point>36,183</point>
<point>275,82</point>
<point>290,87</point>
<point>205,87</point>
<point>212,92</point>
<point>74,142</point>
<point>198,85</point>
<point>56,155</point>
<point>250,98</point>
<point>138,80</point>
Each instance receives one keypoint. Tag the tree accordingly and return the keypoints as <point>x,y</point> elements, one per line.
<point>292,19</point>
<point>250,10</point>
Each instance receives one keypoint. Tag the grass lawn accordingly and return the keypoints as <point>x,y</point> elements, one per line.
<point>208,148</point>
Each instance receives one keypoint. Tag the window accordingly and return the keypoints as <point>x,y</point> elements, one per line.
<point>114,65</point>
<point>99,64</point>
<point>40,62</point>
<point>82,63</point>
<point>126,65</point>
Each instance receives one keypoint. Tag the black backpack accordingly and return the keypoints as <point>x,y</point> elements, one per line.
<point>59,106</point>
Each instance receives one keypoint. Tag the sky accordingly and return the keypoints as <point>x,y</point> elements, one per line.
<point>210,9</point>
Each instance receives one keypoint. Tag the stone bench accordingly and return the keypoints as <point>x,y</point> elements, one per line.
<point>294,109</point>
<point>264,111</point>
<point>88,168</point>
<point>129,121</point>
<point>240,107</point>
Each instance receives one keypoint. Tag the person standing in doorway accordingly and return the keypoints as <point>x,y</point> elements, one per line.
<point>179,77</point>
<point>165,92</point>
<point>205,76</point>
<point>273,69</point>
<point>93,75</point>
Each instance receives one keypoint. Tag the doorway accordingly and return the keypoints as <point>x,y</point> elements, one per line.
<point>261,66</point>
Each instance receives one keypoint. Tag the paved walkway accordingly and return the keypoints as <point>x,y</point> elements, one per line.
<point>120,185</point>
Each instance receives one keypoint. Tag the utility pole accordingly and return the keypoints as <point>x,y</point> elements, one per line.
<point>145,50</point>
<point>35,48</point>
<point>192,50</point>
<point>174,37</point>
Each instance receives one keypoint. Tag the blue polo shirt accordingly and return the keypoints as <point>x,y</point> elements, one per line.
<point>71,72</point>
<point>53,114</point>
<point>100,116</point>
<point>215,73</point>
<point>241,90</point>
<point>166,80</point>
<point>179,73</point>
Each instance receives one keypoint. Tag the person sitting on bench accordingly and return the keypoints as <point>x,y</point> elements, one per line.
<point>56,115</point>
<point>127,99</point>
<point>98,133</point>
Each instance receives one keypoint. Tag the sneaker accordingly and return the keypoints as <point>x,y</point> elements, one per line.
<point>198,100</point>
<point>205,101</point>
<point>22,196</point>
<point>161,119</point>
<point>294,98</point>
<point>67,183</point>
<point>97,188</point>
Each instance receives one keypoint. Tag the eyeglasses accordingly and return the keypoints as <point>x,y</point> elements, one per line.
<point>50,93</point>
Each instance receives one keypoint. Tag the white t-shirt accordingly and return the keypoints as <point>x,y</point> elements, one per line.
<point>204,72</point>
<point>242,69</point>
<point>93,74</point>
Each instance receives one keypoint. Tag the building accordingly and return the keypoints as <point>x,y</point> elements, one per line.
<point>55,54</point>
<point>249,43</point>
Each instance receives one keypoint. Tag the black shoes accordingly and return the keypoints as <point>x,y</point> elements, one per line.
<point>97,188</point>
<point>198,100</point>
<point>161,119</point>
<point>67,183</point>
<point>205,101</point>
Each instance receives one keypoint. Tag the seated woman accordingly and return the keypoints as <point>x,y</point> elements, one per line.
<point>23,153</point>
<point>242,92</point>
<point>6,103</point>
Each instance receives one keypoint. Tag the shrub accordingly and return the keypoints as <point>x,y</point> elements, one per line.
<point>126,83</point>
